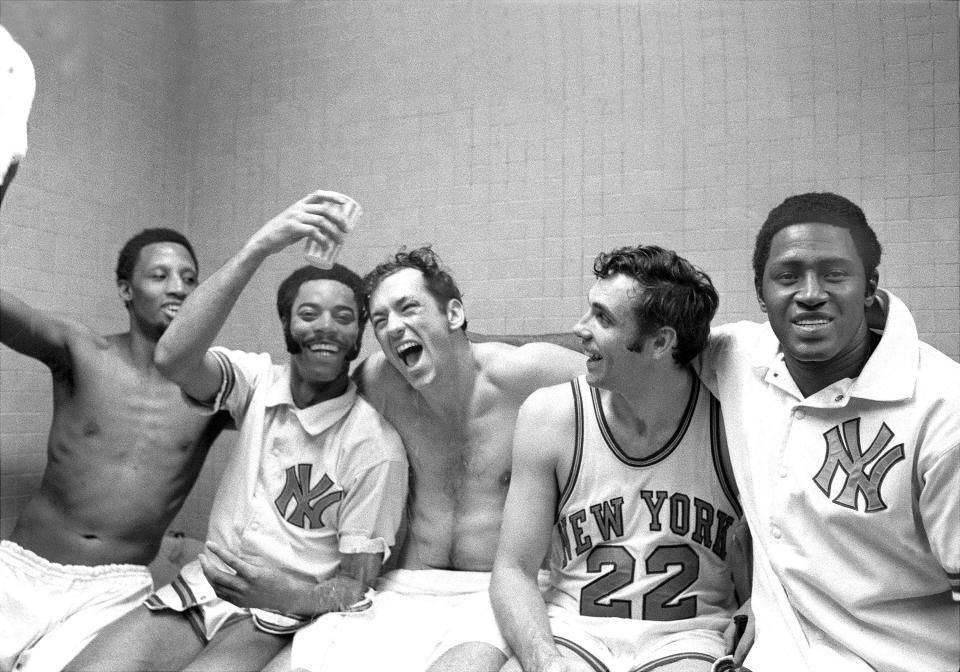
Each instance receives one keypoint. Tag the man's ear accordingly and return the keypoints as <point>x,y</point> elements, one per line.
<point>870,293</point>
<point>663,342</point>
<point>760,301</point>
<point>456,315</point>
<point>125,291</point>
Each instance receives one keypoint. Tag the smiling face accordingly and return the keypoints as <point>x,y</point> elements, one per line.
<point>324,323</point>
<point>413,330</point>
<point>815,293</point>
<point>163,276</point>
<point>608,330</point>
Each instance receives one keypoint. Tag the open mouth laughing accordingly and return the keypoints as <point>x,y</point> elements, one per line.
<point>409,353</point>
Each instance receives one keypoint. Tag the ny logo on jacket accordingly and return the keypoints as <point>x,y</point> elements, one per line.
<point>845,453</point>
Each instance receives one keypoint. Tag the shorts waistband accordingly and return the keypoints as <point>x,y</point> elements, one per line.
<point>14,553</point>
<point>434,581</point>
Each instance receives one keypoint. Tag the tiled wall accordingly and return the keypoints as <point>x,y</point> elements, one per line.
<point>519,138</point>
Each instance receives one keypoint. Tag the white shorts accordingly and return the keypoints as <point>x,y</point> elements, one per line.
<point>193,596</point>
<point>416,616</point>
<point>629,645</point>
<point>49,612</point>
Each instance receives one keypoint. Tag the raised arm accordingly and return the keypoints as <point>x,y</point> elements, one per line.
<point>181,354</point>
<point>34,333</point>
<point>526,530</point>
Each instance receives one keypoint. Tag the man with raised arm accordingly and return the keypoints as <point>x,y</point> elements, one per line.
<point>123,450</point>
<point>455,404</point>
<point>623,483</point>
<point>311,498</point>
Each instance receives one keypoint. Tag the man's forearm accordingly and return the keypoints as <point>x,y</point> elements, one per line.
<point>335,594</point>
<point>563,339</point>
<point>202,315</point>
<point>522,617</point>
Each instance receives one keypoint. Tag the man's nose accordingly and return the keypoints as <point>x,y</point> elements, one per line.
<point>580,328</point>
<point>811,289</point>
<point>176,285</point>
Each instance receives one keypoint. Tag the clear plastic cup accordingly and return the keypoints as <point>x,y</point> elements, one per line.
<point>324,255</point>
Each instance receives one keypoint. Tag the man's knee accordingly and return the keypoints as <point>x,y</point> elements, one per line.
<point>470,657</point>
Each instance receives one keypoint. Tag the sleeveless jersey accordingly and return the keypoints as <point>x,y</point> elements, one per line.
<point>646,539</point>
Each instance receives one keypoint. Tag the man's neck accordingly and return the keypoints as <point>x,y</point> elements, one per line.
<point>811,377</point>
<point>140,347</point>
<point>309,393</point>
<point>652,411</point>
<point>455,380</point>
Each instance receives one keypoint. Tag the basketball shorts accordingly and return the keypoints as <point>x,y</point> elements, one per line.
<point>192,595</point>
<point>49,612</point>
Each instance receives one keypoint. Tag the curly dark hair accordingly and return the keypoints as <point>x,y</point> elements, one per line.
<point>130,251</point>
<point>675,294</point>
<point>825,208</point>
<point>439,282</point>
<point>288,289</point>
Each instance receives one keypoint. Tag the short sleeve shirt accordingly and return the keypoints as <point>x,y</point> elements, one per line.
<point>304,485</point>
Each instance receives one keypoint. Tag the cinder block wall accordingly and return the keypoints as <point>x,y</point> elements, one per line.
<point>523,138</point>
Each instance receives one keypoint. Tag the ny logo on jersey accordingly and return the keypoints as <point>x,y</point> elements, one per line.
<point>298,488</point>
<point>845,453</point>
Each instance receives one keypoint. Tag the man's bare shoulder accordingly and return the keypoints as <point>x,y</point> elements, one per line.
<point>545,424</point>
<point>377,380</point>
<point>549,404</point>
<point>82,346</point>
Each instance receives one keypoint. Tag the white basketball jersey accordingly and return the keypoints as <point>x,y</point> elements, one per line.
<point>645,539</point>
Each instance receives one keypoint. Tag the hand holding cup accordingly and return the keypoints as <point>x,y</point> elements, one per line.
<point>324,254</point>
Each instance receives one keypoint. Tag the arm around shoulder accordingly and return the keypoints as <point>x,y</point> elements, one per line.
<point>537,365</point>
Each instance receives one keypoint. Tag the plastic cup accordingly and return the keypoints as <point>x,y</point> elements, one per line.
<point>324,255</point>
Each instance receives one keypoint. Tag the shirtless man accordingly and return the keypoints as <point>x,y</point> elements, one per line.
<point>123,452</point>
<point>455,404</point>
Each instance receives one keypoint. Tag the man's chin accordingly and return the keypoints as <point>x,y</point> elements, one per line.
<point>810,354</point>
